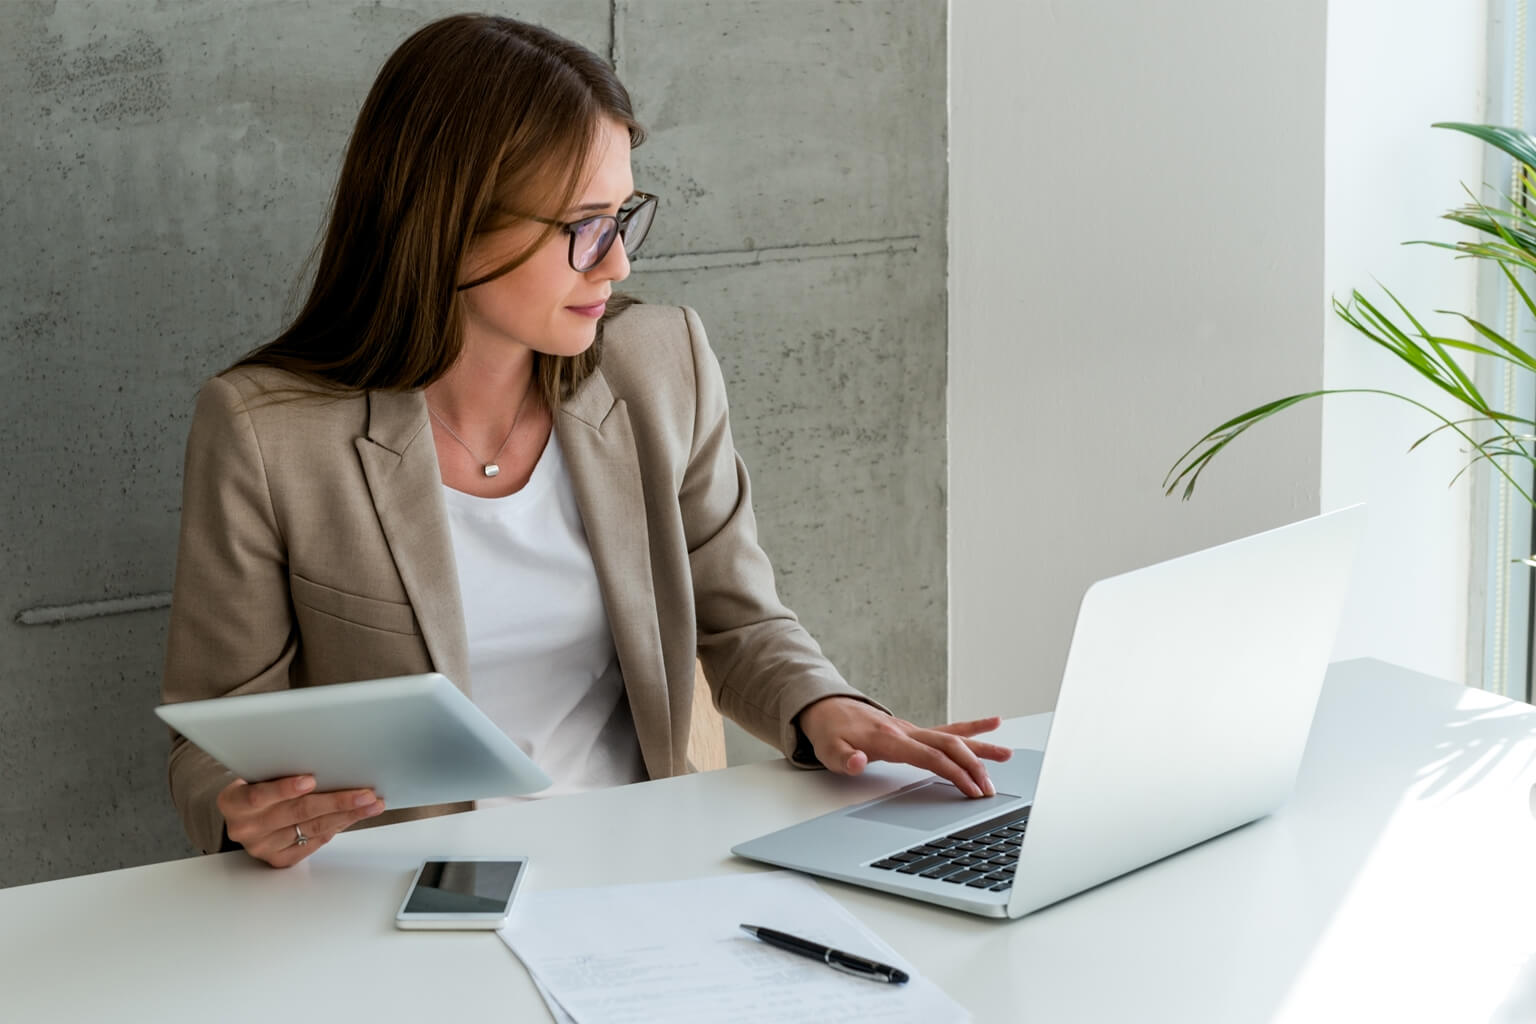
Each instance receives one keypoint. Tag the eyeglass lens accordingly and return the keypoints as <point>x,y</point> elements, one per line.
<point>593,237</point>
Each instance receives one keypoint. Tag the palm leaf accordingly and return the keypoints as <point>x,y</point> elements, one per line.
<point>1193,462</point>
<point>1508,350</point>
<point>1518,144</point>
<point>1508,240</point>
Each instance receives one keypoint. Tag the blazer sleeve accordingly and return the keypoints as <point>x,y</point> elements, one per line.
<point>231,626</point>
<point>761,664</point>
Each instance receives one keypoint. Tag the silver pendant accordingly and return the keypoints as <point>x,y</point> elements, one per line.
<point>491,469</point>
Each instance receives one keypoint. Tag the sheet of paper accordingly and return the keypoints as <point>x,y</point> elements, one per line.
<point>674,952</point>
<point>555,1009</point>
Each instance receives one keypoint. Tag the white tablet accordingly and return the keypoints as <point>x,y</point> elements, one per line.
<point>414,740</point>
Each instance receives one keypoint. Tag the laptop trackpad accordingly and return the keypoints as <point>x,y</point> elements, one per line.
<point>929,806</point>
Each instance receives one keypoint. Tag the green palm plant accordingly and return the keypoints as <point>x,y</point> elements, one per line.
<point>1498,437</point>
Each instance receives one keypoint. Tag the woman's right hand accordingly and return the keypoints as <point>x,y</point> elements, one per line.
<point>267,818</point>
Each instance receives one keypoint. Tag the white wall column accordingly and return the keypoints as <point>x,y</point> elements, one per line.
<point>1389,178</point>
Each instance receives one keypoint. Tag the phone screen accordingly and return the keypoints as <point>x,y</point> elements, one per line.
<point>464,887</point>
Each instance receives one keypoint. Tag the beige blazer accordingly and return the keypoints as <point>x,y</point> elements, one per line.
<point>314,549</point>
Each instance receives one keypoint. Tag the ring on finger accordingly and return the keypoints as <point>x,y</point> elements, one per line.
<point>299,838</point>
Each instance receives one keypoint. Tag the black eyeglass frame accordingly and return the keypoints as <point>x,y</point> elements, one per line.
<point>621,221</point>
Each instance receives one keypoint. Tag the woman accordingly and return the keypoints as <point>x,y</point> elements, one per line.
<point>468,455</point>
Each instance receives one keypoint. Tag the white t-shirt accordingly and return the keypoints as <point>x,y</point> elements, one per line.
<point>542,664</point>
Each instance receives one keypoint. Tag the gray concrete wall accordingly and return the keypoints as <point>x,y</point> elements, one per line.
<point>166,169</point>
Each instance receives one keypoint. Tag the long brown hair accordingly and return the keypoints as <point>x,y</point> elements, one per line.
<point>472,118</point>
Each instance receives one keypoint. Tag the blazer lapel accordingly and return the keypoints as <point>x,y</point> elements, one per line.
<point>403,478</point>
<point>599,445</point>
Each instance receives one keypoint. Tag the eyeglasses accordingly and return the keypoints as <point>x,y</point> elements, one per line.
<point>592,237</point>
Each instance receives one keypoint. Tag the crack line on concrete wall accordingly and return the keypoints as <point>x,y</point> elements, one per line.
<point>777,254</point>
<point>52,614</point>
<point>613,34</point>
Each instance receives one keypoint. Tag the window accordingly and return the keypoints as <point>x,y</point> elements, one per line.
<point>1502,519</point>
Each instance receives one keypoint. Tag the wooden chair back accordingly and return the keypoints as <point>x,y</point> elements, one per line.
<point>706,731</point>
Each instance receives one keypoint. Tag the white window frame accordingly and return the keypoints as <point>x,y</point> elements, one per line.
<point>1502,586</point>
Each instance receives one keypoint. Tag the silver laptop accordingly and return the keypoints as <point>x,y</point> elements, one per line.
<point>1183,713</point>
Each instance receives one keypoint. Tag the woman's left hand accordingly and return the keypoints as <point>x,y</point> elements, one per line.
<point>848,734</point>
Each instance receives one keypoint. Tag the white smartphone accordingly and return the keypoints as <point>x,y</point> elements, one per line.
<point>462,892</point>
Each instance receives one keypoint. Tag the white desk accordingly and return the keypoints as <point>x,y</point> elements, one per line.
<point>1399,885</point>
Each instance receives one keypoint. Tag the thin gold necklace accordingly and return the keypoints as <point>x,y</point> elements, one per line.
<point>488,467</point>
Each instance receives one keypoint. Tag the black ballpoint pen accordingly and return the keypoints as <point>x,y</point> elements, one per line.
<point>835,958</point>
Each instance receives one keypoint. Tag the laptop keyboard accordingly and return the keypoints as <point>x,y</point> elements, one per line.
<point>980,856</point>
